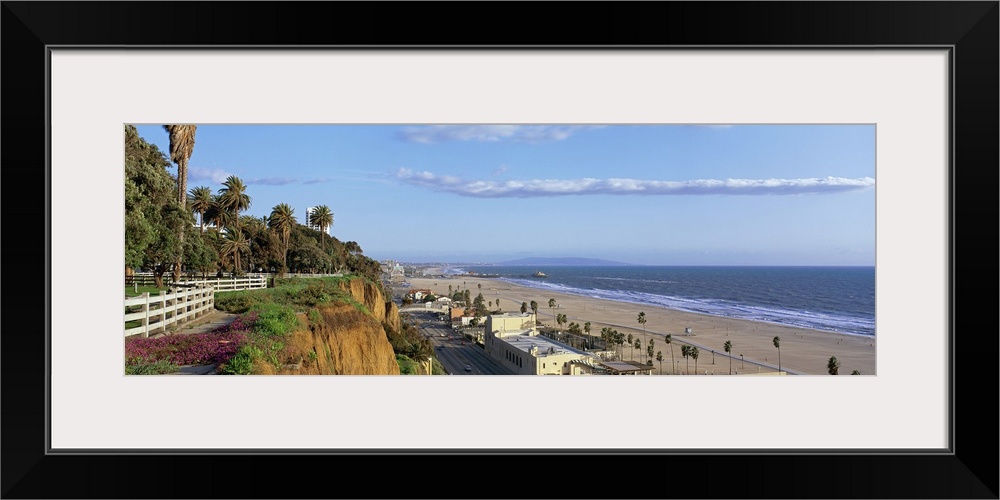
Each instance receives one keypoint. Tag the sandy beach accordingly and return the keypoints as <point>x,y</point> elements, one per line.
<point>803,351</point>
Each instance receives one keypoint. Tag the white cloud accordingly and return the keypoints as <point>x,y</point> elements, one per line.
<point>564,187</point>
<point>216,175</point>
<point>491,133</point>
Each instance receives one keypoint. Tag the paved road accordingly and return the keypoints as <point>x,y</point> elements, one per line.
<point>453,350</point>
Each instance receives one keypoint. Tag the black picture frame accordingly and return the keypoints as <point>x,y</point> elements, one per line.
<point>969,28</point>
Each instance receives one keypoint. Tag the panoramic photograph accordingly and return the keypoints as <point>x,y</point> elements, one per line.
<point>500,249</point>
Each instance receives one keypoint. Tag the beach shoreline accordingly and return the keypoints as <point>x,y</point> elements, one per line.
<point>802,350</point>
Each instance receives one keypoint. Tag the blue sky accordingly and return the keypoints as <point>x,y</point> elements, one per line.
<point>641,194</point>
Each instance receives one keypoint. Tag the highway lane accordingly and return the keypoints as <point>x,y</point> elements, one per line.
<point>453,350</point>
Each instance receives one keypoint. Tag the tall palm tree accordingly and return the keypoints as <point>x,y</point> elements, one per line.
<point>631,346</point>
<point>728,346</point>
<point>524,307</point>
<point>561,320</point>
<point>685,352</point>
<point>693,352</point>
<point>552,305</point>
<point>201,202</point>
<point>534,309</point>
<point>777,344</point>
<point>322,217</point>
<point>235,243</point>
<point>586,329</point>
<point>642,321</point>
<point>181,147</point>
<point>638,345</point>
<point>233,198</point>
<point>669,340</point>
<point>281,222</point>
<point>833,366</point>
<point>659,357</point>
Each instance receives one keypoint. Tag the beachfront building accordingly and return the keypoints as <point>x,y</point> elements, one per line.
<point>513,341</point>
<point>626,368</point>
<point>419,294</point>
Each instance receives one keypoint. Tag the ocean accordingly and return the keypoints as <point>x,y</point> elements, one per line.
<point>835,299</point>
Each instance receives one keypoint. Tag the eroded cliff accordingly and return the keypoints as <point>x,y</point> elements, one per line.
<point>341,339</point>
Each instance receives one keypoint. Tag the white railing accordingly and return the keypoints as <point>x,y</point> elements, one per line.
<point>229,284</point>
<point>157,312</point>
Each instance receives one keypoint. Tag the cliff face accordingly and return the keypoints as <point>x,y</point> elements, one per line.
<point>385,311</point>
<point>344,340</point>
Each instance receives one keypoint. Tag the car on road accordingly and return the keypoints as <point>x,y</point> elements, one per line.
<point>468,368</point>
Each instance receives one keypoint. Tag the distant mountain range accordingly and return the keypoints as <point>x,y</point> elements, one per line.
<point>561,261</point>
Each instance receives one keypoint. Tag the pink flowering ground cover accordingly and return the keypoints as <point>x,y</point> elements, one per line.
<point>196,349</point>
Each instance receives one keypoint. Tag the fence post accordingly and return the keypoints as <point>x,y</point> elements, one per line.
<point>145,322</point>
<point>163,310</point>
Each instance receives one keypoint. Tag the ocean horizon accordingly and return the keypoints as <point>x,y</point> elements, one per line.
<point>837,299</point>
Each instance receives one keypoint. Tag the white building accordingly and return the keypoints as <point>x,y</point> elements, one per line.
<point>513,341</point>
<point>308,221</point>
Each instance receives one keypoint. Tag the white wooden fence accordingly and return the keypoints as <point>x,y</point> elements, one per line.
<point>229,284</point>
<point>157,312</point>
<point>247,282</point>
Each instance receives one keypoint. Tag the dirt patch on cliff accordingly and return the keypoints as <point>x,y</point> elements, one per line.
<point>339,340</point>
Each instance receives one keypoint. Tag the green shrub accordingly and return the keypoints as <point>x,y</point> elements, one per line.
<point>275,320</point>
<point>407,366</point>
<point>242,362</point>
<point>314,316</point>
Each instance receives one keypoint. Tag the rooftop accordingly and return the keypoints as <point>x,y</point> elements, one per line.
<point>546,347</point>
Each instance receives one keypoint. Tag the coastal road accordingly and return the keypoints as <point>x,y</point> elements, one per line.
<point>452,350</point>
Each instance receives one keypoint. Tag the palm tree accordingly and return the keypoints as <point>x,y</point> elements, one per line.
<point>833,366</point>
<point>642,321</point>
<point>534,309</point>
<point>498,305</point>
<point>777,344</point>
<point>201,202</point>
<point>181,147</point>
<point>693,352</point>
<point>586,329</point>
<point>659,357</point>
<point>253,227</point>
<point>235,244</point>
<point>669,340</point>
<point>728,346</point>
<point>638,345</point>
<point>561,320</point>
<point>552,305</point>
<point>322,217</point>
<point>216,215</point>
<point>630,345</point>
<point>620,341</point>
<point>281,221</point>
<point>685,352</point>
<point>524,307</point>
<point>233,198</point>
